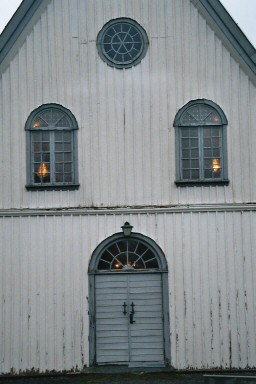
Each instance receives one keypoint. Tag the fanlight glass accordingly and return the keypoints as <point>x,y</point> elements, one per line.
<point>122,43</point>
<point>200,114</point>
<point>127,255</point>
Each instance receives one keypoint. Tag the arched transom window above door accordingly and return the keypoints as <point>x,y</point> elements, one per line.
<point>127,254</point>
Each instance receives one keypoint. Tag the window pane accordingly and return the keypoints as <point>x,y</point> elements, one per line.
<point>185,143</point>
<point>59,177</point>
<point>68,167</point>
<point>132,245</point>
<point>195,164</point>
<point>208,173</point>
<point>45,136</point>
<point>217,174</point>
<point>103,265</point>
<point>208,163</point>
<point>58,136</point>
<point>37,136</point>
<point>67,147</point>
<point>152,264</point>
<point>38,123</point>
<point>36,167</point>
<point>149,255</point>
<point>122,245</point>
<point>207,152</point>
<point>45,147</point>
<point>194,153</point>
<point>107,256</point>
<point>122,258</point>
<point>46,157</point>
<point>194,143</point>
<point>185,132</point>
<point>47,116</point>
<point>186,174</point>
<point>213,118</point>
<point>141,249</point>
<point>193,132</point>
<point>216,152</point>
<point>56,116</point>
<point>64,122</point>
<point>37,147</point>
<point>68,177</point>
<point>138,264</point>
<point>186,153</point>
<point>37,157</point>
<point>58,147</point>
<point>58,157</point>
<point>186,164</point>
<point>59,167</point>
<point>215,132</point>
<point>207,132</point>
<point>215,142</point>
<point>42,173</point>
<point>213,168</point>
<point>216,167</point>
<point>67,156</point>
<point>195,173</point>
<point>208,143</point>
<point>67,136</point>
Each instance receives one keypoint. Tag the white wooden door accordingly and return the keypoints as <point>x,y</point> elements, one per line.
<point>124,337</point>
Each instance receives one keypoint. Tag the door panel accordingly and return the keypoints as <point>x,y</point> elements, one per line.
<point>145,335</point>
<point>112,337</point>
<point>117,340</point>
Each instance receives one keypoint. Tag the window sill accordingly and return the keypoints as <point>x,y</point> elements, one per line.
<point>199,183</point>
<point>63,187</point>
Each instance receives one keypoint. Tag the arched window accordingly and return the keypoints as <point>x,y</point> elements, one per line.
<point>127,254</point>
<point>201,144</point>
<point>51,148</point>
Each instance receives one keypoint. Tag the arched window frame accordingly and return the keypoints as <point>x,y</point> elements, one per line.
<point>220,165</point>
<point>149,243</point>
<point>66,177</point>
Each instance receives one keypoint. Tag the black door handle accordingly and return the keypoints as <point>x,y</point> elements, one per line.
<point>125,306</point>
<point>132,314</point>
<point>131,319</point>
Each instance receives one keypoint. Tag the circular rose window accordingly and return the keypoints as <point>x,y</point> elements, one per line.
<point>122,43</point>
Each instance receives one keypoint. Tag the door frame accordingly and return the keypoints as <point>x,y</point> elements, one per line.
<point>92,271</point>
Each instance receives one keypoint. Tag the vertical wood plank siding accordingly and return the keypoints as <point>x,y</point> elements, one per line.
<point>44,312</point>
<point>126,146</point>
<point>126,156</point>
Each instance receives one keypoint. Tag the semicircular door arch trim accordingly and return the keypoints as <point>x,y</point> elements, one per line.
<point>129,305</point>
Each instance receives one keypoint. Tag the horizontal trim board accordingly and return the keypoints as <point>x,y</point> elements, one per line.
<point>128,210</point>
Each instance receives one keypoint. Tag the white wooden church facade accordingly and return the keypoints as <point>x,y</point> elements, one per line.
<point>115,111</point>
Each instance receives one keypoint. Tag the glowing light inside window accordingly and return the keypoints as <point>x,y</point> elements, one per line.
<point>216,165</point>
<point>43,171</point>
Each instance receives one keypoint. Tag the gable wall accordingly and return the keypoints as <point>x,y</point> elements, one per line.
<point>126,140</point>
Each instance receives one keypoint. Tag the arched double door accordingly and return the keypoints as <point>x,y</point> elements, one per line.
<point>129,303</point>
